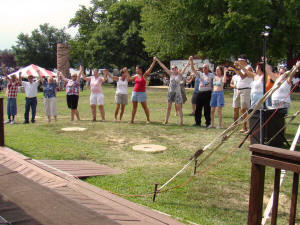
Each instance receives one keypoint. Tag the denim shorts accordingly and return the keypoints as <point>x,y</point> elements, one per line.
<point>217,99</point>
<point>138,97</point>
<point>255,98</point>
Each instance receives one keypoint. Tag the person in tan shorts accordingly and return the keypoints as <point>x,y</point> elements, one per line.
<point>241,100</point>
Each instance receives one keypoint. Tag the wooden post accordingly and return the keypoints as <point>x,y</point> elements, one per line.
<point>294,199</point>
<point>195,166</point>
<point>1,123</point>
<point>276,196</point>
<point>256,194</point>
<point>155,192</point>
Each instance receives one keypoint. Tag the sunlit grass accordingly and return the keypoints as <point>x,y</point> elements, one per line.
<point>219,196</point>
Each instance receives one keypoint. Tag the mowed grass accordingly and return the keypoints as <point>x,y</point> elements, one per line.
<point>218,196</point>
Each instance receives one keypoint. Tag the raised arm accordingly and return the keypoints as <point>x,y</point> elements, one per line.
<point>224,80</point>
<point>104,78</point>
<point>270,72</point>
<point>82,74</point>
<point>4,71</point>
<point>246,73</point>
<point>146,74</point>
<point>238,72</point>
<point>190,79</point>
<point>293,72</point>
<point>162,65</point>
<point>184,68</point>
<point>191,59</point>
<point>107,73</point>
<point>20,78</point>
<point>62,77</point>
<point>41,78</point>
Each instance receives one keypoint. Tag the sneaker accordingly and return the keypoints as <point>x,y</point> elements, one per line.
<point>7,121</point>
<point>209,126</point>
<point>196,125</point>
<point>32,121</point>
<point>12,122</point>
<point>219,127</point>
<point>25,122</point>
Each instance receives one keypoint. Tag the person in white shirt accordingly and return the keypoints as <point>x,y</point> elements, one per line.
<point>242,87</point>
<point>204,95</point>
<point>121,97</point>
<point>281,97</point>
<point>31,89</point>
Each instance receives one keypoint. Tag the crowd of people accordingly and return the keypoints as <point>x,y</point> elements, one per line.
<point>208,95</point>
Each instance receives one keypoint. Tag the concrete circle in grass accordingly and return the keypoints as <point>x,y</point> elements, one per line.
<point>149,148</point>
<point>73,129</point>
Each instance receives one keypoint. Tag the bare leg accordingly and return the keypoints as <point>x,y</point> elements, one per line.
<point>101,108</point>
<point>55,118</point>
<point>212,116</point>
<point>145,107</point>
<point>169,107</point>
<point>122,111</point>
<point>93,108</point>
<point>77,114</point>
<point>243,111</point>
<point>72,114</point>
<point>235,114</point>
<point>117,111</point>
<point>179,107</point>
<point>176,110</point>
<point>220,116</point>
<point>134,108</point>
<point>49,119</point>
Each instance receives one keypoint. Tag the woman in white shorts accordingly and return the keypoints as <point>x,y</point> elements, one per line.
<point>49,89</point>
<point>121,97</point>
<point>96,97</point>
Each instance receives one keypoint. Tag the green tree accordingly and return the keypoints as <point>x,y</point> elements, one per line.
<point>117,41</point>
<point>220,29</point>
<point>86,19</point>
<point>7,57</point>
<point>39,47</point>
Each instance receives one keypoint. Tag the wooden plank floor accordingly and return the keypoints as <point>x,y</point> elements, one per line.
<point>100,201</point>
<point>77,168</point>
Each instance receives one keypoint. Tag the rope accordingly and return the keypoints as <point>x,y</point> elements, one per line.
<point>233,127</point>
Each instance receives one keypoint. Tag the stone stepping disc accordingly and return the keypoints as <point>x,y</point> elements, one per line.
<point>73,129</point>
<point>149,148</point>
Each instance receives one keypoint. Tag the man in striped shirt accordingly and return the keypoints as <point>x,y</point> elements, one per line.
<point>11,92</point>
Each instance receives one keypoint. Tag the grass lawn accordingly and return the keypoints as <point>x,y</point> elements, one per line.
<point>219,196</point>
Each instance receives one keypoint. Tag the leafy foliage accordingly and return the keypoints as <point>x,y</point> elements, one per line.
<point>220,29</point>
<point>115,39</point>
<point>7,57</point>
<point>39,47</point>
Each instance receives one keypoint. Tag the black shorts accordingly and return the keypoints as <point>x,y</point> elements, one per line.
<point>72,101</point>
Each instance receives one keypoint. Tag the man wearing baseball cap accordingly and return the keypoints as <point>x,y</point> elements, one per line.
<point>31,88</point>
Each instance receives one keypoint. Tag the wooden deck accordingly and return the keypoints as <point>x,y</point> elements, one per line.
<point>76,168</point>
<point>110,207</point>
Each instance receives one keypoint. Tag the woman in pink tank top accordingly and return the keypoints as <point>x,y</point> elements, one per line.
<point>96,97</point>
<point>139,91</point>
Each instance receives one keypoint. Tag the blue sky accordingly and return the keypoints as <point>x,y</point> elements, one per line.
<point>25,15</point>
